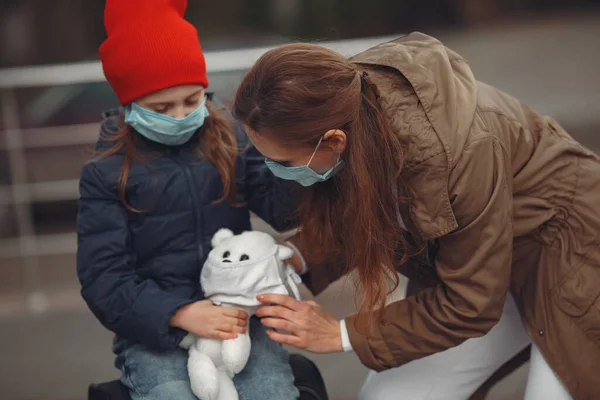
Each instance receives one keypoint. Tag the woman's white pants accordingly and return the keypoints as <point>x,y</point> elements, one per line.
<point>456,373</point>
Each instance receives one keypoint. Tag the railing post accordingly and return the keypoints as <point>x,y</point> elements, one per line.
<point>35,297</point>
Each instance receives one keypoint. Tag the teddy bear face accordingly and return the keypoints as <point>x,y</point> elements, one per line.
<point>244,248</point>
<point>240,267</point>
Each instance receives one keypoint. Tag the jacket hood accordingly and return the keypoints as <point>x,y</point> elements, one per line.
<point>441,79</point>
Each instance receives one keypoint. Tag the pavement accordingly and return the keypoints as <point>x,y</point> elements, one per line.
<point>551,64</point>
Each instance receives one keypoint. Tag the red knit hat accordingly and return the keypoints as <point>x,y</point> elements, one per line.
<point>150,46</point>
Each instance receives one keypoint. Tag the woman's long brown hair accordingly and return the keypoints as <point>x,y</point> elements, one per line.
<point>293,95</point>
<point>215,141</point>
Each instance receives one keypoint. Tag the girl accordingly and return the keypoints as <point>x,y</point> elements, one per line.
<point>168,176</point>
<point>411,162</point>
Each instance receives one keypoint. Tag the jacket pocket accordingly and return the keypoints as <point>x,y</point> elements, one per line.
<point>578,295</point>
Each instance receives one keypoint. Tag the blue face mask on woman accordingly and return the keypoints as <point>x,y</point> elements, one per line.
<point>163,129</point>
<point>304,175</point>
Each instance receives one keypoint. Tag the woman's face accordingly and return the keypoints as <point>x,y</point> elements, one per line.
<point>177,102</point>
<point>325,156</point>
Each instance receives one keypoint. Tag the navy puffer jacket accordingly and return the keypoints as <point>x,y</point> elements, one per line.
<point>137,269</point>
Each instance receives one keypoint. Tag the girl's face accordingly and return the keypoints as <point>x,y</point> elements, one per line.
<point>177,101</point>
<point>325,156</point>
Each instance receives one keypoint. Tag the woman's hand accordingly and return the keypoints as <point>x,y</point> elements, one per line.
<point>309,326</point>
<point>204,319</point>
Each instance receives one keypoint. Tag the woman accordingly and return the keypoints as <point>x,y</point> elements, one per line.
<point>410,162</point>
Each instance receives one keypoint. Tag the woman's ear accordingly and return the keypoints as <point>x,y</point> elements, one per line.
<point>335,140</point>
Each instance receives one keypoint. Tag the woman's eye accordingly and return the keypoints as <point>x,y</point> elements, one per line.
<point>244,257</point>
<point>226,254</point>
<point>162,110</point>
<point>191,102</point>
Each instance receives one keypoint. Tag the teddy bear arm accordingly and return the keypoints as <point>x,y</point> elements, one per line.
<point>188,341</point>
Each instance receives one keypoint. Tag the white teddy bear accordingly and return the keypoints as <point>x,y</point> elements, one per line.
<point>239,268</point>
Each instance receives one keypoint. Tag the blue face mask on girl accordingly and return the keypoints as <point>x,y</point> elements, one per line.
<point>304,175</point>
<point>163,129</point>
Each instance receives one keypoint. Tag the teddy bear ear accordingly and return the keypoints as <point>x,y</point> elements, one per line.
<point>284,252</point>
<point>221,235</point>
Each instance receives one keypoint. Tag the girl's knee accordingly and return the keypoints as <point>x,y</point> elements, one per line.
<point>267,375</point>
<point>267,389</point>
<point>173,390</point>
<point>266,382</point>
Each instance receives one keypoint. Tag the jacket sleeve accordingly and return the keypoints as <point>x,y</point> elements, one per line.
<point>131,307</point>
<point>272,199</point>
<point>473,264</point>
<point>318,276</point>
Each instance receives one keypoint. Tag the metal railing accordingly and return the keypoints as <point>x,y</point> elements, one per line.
<point>21,194</point>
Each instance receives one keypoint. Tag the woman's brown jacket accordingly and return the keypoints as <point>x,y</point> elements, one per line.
<point>512,203</point>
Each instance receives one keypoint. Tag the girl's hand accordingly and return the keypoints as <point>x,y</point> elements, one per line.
<point>207,320</point>
<point>309,326</point>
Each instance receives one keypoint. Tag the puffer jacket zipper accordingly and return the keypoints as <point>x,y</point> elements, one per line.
<point>196,210</point>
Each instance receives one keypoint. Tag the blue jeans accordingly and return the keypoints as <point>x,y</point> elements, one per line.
<point>151,375</point>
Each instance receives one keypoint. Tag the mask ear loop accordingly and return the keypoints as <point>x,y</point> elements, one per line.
<point>337,162</point>
<point>314,152</point>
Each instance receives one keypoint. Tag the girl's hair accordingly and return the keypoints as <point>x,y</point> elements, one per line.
<point>215,141</point>
<point>293,95</point>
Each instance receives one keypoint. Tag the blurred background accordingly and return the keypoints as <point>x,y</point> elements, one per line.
<point>545,52</point>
